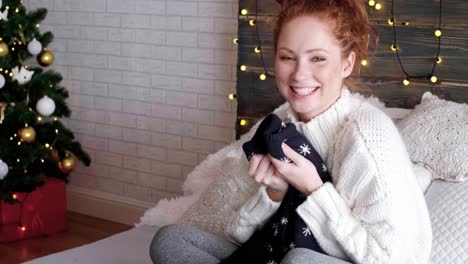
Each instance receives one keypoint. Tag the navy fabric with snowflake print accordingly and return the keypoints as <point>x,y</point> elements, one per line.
<point>285,230</point>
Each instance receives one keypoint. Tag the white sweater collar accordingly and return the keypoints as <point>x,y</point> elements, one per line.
<point>321,130</point>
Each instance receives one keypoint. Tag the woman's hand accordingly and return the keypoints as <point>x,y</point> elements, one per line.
<point>301,173</point>
<point>262,171</point>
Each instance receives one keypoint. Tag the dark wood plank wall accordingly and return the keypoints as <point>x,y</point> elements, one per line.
<point>416,42</point>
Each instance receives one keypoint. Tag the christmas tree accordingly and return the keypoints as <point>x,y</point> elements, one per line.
<point>34,144</point>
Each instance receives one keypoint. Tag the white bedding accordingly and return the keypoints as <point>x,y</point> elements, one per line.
<point>129,247</point>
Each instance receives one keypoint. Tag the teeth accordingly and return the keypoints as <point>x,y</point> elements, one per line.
<point>304,91</point>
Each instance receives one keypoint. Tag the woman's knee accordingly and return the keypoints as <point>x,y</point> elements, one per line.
<point>166,237</point>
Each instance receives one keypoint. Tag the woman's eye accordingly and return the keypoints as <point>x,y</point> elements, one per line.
<point>317,59</point>
<point>286,58</point>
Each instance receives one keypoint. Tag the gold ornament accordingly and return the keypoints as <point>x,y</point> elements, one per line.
<point>67,164</point>
<point>3,49</point>
<point>27,134</point>
<point>46,58</point>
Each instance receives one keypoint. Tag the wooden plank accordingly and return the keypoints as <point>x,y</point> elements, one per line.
<point>417,12</point>
<point>420,12</point>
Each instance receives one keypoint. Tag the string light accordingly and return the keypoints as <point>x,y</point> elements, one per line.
<point>252,22</point>
<point>378,6</point>
<point>39,118</point>
<point>244,12</point>
<point>406,82</point>
<point>232,96</point>
<point>364,62</point>
<point>14,196</point>
<point>262,77</point>
<point>257,49</point>
<point>243,68</point>
<point>235,41</point>
<point>393,47</point>
<point>243,122</point>
<point>436,59</point>
<point>47,145</point>
<point>371,3</point>
<point>23,228</point>
<point>390,21</point>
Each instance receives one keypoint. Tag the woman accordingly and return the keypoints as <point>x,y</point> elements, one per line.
<point>373,210</point>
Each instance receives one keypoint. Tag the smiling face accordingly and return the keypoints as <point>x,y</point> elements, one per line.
<point>310,66</point>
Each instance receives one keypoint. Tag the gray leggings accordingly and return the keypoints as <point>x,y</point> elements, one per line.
<point>184,244</point>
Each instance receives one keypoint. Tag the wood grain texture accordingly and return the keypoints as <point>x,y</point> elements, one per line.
<point>417,48</point>
<point>81,230</point>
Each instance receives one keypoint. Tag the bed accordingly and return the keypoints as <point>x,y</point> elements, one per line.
<point>436,134</point>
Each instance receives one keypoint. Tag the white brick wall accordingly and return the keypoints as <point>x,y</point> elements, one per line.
<point>148,83</point>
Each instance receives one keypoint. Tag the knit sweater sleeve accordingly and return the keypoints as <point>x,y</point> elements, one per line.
<point>252,215</point>
<point>360,216</point>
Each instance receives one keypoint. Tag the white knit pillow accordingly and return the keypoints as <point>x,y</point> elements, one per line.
<point>223,197</point>
<point>436,135</point>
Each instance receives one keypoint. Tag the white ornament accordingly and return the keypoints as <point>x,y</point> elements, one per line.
<point>45,106</point>
<point>22,76</point>
<point>2,81</point>
<point>34,47</point>
<point>3,169</point>
<point>4,15</point>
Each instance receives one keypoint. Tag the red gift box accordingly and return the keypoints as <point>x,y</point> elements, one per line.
<point>41,212</point>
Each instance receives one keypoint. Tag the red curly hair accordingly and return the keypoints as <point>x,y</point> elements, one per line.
<point>352,27</point>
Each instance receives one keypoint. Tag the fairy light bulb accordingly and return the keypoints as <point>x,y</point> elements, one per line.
<point>371,3</point>
<point>23,228</point>
<point>438,60</point>
<point>232,96</point>
<point>252,22</point>
<point>235,41</point>
<point>243,122</point>
<point>244,12</point>
<point>243,68</point>
<point>257,50</point>
<point>39,118</point>
<point>406,24</point>
<point>393,47</point>
<point>364,62</point>
<point>14,196</point>
<point>262,77</point>
<point>378,6</point>
<point>406,82</point>
<point>438,33</point>
<point>433,79</point>
<point>47,145</point>
<point>390,21</point>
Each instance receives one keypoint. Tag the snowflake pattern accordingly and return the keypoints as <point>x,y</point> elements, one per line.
<point>304,149</point>
<point>284,220</point>
<point>292,245</point>
<point>276,232</point>
<point>324,168</point>
<point>286,159</point>
<point>269,248</point>
<point>306,231</point>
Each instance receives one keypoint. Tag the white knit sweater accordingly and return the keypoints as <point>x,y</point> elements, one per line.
<point>374,211</point>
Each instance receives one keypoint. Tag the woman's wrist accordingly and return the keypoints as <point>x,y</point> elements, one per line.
<point>275,195</point>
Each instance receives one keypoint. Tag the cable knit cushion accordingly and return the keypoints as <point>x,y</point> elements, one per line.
<point>436,135</point>
<point>448,208</point>
<point>222,197</point>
